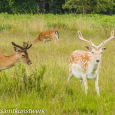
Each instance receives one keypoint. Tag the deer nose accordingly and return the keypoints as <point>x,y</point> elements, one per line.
<point>29,62</point>
<point>97,60</point>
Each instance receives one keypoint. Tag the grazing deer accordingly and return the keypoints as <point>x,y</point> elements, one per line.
<point>19,55</point>
<point>48,35</point>
<point>85,65</point>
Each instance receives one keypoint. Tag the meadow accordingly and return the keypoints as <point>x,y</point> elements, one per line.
<point>42,85</point>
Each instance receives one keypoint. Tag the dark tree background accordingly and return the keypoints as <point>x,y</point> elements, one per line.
<point>31,6</point>
<point>57,6</point>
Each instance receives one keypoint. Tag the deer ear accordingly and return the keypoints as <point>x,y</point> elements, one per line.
<point>104,48</point>
<point>88,48</point>
<point>15,49</point>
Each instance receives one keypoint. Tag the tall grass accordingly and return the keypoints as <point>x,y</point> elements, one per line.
<point>43,84</point>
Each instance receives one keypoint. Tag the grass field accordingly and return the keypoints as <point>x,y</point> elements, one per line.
<point>42,85</point>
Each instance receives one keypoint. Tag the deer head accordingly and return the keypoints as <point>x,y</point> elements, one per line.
<point>96,50</point>
<point>21,52</point>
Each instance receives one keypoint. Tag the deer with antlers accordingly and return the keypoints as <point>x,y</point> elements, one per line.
<point>48,35</point>
<point>19,55</point>
<point>85,65</point>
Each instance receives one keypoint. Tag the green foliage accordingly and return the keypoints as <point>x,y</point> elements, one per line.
<point>55,6</point>
<point>18,6</point>
<point>92,6</point>
<point>24,6</point>
<point>21,82</point>
<point>5,27</point>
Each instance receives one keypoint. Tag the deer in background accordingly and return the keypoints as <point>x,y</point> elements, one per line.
<point>19,55</point>
<point>48,35</point>
<point>85,65</point>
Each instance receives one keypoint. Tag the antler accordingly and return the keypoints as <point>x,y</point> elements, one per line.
<point>108,40</point>
<point>29,46</point>
<point>112,37</point>
<point>23,48</point>
<point>79,36</point>
<point>17,45</point>
<point>25,45</point>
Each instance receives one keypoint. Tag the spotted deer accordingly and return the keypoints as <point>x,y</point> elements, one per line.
<point>85,65</point>
<point>19,55</point>
<point>48,35</point>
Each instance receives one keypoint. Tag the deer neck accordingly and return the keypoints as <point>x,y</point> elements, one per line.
<point>94,66</point>
<point>13,59</point>
<point>8,61</point>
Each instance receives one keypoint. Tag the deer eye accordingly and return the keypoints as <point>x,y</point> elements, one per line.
<point>23,56</point>
<point>92,52</point>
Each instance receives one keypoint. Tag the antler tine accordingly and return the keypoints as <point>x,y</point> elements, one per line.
<point>109,39</point>
<point>26,47</point>
<point>29,46</point>
<point>79,36</point>
<point>17,45</point>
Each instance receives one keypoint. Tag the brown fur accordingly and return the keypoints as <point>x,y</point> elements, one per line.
<point>19,55</point>
<point>7,61</point>
<point>10,60</point>
<point>44,35</point>
<point>81,57</point>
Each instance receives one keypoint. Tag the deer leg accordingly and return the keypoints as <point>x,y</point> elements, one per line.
<point>85,83</point>
<point>43,42</point>
<point>70,75</point>
<point>55,41</point>
<point>81,82</point>
<point>96,85</point>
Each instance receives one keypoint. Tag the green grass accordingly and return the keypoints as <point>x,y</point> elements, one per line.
<point>42,85</point>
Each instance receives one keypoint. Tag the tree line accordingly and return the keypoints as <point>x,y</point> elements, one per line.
<point>57,6</point>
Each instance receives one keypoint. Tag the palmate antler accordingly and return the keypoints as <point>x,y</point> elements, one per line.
<point>79,36</point>
<point>24,47</point>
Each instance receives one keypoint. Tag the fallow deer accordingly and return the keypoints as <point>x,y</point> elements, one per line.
<point>19,55</point>
<point>47,35</point>
<point>85,65</point>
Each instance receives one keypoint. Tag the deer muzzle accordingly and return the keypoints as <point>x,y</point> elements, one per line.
<point>97,60</point>
<point>29,62</point>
